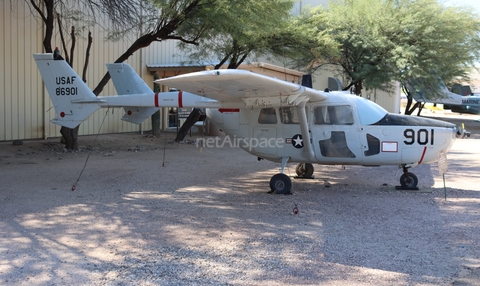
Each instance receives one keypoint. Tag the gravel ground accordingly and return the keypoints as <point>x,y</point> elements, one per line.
<point>149,213</point>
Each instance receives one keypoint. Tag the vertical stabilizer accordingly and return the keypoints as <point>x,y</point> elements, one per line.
<point>440,94</point>
<point>66,90</point>
<point>126,80</point>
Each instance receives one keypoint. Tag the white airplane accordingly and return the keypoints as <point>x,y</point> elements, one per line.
<point>267,117</point>
<point>456,102</point>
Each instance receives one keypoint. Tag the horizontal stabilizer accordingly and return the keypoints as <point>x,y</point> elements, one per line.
<point>138,114</point>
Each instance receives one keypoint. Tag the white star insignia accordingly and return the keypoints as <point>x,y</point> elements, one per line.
<point>298,141</point>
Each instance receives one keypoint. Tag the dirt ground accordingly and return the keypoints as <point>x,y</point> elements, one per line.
<point>148,212</point>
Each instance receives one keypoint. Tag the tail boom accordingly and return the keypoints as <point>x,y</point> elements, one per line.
<point>74,101</point>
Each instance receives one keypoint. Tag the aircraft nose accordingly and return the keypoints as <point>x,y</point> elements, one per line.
<point>451,132</point>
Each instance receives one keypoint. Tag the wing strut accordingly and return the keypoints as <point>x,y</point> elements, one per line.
<point>307,143</point>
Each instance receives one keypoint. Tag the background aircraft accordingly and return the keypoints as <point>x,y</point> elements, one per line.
<point>460,103</point>
<point>267,117</point>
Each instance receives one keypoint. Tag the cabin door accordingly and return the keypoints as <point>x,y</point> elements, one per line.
<point>336,135</point>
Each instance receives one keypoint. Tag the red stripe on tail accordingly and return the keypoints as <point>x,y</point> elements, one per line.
<point>156,100</point>
<point>180,101</point>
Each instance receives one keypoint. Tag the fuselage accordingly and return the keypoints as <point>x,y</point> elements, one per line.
<point>469,104</point>
<point>344,129</point>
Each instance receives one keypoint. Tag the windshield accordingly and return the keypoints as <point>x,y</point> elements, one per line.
<point>369,112</point>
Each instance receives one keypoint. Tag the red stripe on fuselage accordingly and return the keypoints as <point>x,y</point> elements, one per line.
<point>222,110</point>
<point>156,100</point>
<point>423,155</point>
<point>180,103</point>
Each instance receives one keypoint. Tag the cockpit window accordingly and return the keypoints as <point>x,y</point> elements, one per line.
<point>333,115</point>
<point>369,112</point>
<point>289,115</point>
<point>267,116</point>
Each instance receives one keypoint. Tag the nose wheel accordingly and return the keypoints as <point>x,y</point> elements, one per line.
<point>408,181</point>
<point>280,184</point>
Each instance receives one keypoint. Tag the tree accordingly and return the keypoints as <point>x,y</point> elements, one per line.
<point>447,46</point>
<point>239,30</point>
<point>164,22</point>
<point>155,20</point>
<point>380,41</point>
<point>236,31</point>
<point>304,45</point>
<point>121,14</point>
<point>49,11</point>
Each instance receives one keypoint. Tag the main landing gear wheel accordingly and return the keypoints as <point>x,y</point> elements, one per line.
<point>280,184</point>
<point>304,170</point>
<point>409,181</point>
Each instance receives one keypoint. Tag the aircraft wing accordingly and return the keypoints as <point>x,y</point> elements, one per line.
<point>230,85</point>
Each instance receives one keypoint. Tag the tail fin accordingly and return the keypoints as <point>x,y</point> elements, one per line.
<point>431,92</point>
<point>68,93</point>
<point>127,81</point>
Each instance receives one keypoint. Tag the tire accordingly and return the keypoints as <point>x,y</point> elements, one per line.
<point>280,184</point>
<point>304,170</point>
<point>300,170</point>
<point>410,182</point>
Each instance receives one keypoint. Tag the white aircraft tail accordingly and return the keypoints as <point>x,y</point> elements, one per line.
<point>440,94</point>
<point>127,81</point>
<point>67,91</point>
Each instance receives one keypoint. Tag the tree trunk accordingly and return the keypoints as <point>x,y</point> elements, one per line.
<point>70,136</point>
<point>49,19</point>
<point>191,120</point>
<point>358,88</point>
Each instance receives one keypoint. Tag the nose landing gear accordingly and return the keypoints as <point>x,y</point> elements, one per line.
<point>280,184</point>
<point>408,181</point>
